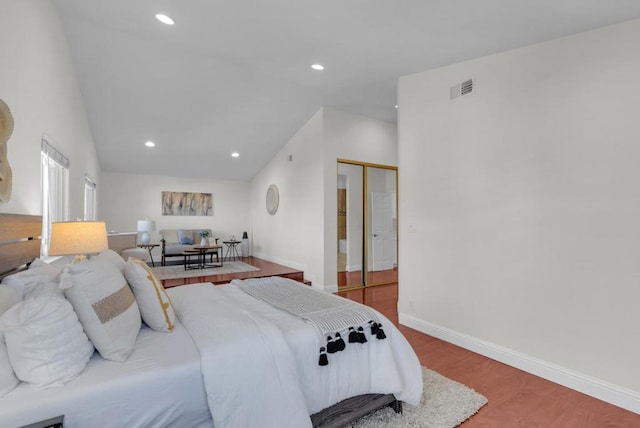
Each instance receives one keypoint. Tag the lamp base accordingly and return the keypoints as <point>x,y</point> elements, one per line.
<point>144,239</point>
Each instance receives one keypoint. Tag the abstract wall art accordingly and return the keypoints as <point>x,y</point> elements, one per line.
<point>187,203</point>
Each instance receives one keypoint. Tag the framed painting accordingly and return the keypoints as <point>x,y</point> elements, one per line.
<point>187,203</point>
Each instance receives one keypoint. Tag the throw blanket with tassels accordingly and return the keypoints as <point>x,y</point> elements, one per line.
<point>331,316</point>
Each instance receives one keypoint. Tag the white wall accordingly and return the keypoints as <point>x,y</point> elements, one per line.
<point>37,81</point>
<point>293,236</point>
<point>525,201</point>
<point>126,198</point>
<point>303,233</point>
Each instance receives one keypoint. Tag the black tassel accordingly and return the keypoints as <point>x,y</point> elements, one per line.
<point>340,345</point>
<point>361,336</point>
<point>380,334</point>
<point>353,336</point>
<point>374,328</point>
<point>332,347</point>
<point>324,361</point>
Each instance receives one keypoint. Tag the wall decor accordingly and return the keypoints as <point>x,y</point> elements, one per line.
<point>6,129</point>
<point>187,203</point>
<point>273,199</point>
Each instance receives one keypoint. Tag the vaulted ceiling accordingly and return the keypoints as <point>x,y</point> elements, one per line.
<point>235,76</point>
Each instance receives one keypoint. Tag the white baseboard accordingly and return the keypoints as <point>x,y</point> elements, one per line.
<point>280,261</point>
<point>605,391</point>
<point>301,267</point>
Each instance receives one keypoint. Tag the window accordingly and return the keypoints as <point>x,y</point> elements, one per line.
<point>55,189</point>
<point>89,199</point>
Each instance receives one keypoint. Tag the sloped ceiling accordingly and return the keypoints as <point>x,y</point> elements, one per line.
<point>235,75</point>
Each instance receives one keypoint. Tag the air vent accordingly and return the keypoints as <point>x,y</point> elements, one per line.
<point>463,88</point>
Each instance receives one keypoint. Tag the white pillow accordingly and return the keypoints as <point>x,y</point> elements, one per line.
<point>8,380</point>
<point>27,281</point>
<point>36,263</point>
<point>155,305</point>
<point>8,298</point>
<point>105,306</point>
<point>45,341</point>
<point>112,257</point>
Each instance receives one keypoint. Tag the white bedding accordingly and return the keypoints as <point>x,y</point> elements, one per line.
<point>272,380</point>
<point>260,365</point>
<point>160,385</point>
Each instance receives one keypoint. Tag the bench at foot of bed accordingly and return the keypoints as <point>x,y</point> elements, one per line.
<point>353,408</point>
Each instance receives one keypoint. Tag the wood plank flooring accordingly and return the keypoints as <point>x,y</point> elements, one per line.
<point>516,398</point>
<point>354,278</point>
<point>266,269</point>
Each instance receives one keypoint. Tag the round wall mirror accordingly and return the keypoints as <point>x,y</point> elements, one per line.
<point>273,199</point>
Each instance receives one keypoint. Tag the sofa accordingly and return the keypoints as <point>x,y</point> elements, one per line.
<point>174,242</point>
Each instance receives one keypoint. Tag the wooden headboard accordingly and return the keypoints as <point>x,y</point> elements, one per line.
<point>19,241</point>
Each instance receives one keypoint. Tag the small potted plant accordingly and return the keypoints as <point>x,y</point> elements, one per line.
<point>204,235</point>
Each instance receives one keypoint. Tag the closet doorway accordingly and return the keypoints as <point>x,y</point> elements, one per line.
<point>367,241</point>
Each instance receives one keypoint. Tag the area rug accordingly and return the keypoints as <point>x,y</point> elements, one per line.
<point>177,271</point>
<point>444,404</point>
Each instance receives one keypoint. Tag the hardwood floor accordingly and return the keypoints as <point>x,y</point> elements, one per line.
<point>516,398</point>
<point>266,269</point>
<point>354,278</point>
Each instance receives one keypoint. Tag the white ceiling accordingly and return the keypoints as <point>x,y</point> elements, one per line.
<point>235,75</point>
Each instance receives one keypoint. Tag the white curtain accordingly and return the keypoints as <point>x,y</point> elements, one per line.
<point>89,199</point>
<point>55,189</point>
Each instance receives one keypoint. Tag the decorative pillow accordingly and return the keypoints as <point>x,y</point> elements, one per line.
<point>105,306</point>
<point>26,282</point>
<point>45,342</point>
<point>155,305</point>
<point>185,237</point>
<point>112,257</point>
<point>8,380</point>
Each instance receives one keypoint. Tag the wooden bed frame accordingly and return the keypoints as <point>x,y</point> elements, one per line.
<point>20,239</point>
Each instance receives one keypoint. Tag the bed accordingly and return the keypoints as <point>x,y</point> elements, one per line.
<point>231,360</point>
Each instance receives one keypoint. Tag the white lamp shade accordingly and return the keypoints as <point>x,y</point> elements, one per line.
<point>146,225</point>
<point>78,237</point>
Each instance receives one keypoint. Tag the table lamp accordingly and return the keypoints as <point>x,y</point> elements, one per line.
<point>145,226</point>
<point>78,238</point>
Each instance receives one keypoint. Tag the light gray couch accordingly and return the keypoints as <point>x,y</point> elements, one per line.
<point>171,247</point>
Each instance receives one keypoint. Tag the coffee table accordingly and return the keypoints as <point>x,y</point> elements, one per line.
<point>200,253</point>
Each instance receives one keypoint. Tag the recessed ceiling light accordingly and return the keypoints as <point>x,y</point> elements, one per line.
<point>396,105</point>
<point>317,67</point>
<point>235,154</point>
<point>164,19</point>
<point>150,144</point>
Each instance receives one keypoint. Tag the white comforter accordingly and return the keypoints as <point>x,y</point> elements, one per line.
<point>260,365</point>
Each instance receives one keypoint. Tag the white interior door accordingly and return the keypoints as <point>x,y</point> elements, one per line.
<point>383,234</point>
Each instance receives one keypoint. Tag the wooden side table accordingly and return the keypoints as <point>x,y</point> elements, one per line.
<point>149,247</point>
